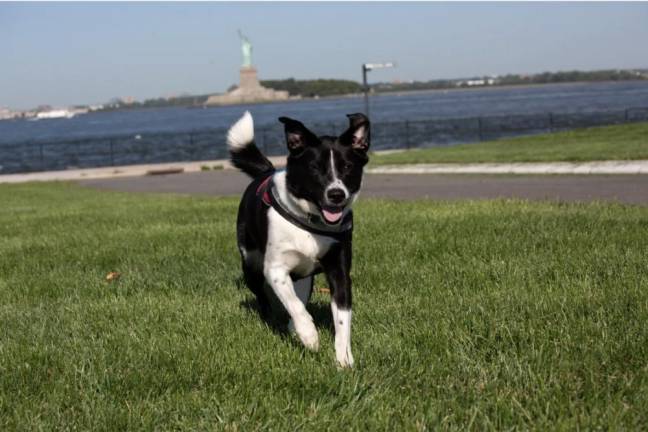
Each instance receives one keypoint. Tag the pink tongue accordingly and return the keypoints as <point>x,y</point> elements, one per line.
<point>331,217</point>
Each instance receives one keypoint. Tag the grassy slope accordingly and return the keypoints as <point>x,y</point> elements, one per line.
<point>600,143</point>
<point>468,315</point>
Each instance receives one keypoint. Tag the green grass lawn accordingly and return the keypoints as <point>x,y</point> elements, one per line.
<point>622,142</point>
<point>468,315</point>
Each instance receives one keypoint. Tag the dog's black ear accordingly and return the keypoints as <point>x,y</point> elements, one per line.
<point>358,133</point>
<point>297,135</point>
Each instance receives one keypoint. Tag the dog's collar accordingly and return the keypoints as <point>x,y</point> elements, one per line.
<point>312,223</point>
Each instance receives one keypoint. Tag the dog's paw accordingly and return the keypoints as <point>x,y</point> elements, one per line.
<point>344,358</point>
<point>309,337</point>
<point>345,362</point>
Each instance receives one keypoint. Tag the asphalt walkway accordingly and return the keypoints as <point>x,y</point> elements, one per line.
<point>589,187</point>
<point>622,181</point>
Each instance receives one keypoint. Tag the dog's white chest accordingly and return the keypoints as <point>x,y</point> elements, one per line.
<point>297,249</point>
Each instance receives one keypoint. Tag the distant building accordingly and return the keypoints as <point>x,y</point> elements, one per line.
<point>481,82</point>
<point>6,114</point>
<point>478,82</point>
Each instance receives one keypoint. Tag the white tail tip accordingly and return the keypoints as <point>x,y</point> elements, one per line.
<point>241,133</point>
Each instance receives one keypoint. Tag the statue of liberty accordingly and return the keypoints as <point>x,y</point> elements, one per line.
<point>249,88</point>
<point>246,48</point>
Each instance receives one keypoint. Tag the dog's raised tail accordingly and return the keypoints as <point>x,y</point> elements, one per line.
<point>244,153</point>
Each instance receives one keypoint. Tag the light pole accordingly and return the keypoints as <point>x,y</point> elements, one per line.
<point>366,67</point>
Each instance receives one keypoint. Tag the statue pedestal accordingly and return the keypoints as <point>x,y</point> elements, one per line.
<point>248,91</point>
<point>248,78</point>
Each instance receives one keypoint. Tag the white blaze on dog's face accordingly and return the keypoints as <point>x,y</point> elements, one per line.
<point>326,171</point>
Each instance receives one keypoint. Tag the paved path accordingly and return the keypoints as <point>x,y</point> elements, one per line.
<point>622,188</point>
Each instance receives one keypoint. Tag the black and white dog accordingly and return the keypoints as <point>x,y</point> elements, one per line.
<point>297,222</point>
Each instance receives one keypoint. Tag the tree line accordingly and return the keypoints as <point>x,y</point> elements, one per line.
<point>315,87</point>
<point>517,79</point>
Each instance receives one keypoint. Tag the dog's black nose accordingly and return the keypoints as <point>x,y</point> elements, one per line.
<point>335,195</point>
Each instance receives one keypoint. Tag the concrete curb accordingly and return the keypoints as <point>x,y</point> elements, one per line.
<point>599,167</point>
<point>123,171</point>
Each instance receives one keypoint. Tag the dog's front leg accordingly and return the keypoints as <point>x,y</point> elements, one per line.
<point>337,267</point>
<point>278,276</point>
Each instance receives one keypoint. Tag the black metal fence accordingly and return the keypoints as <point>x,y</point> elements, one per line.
<point>210,144</point>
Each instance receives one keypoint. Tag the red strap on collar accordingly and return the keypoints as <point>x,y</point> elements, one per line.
<point>263,191</point>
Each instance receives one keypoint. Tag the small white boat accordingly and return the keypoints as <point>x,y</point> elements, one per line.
<point>55,114</point>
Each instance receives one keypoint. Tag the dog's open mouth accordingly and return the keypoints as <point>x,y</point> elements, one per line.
<point>332,215</point>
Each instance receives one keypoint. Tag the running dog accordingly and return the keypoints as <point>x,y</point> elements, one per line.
<point>297,222</point>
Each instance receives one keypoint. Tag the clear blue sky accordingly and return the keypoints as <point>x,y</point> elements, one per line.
<point>78,53</point>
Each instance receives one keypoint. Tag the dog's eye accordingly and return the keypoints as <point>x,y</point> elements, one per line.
<point>347,166</point>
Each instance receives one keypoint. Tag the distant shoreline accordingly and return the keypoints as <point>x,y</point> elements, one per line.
<point>388,93</point>
<point>360,95</point>
<point>505,86</point>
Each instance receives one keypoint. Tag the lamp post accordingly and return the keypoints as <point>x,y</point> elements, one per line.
<point>366,67</point>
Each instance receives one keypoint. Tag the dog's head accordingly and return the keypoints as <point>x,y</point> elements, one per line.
<point>325,172</point>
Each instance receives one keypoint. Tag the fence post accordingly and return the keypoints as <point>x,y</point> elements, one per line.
<point>551,128</point>
<point>112,154</point>
<point>407,134</point>
<point>265,144</point>
<point>481,132</point>
<point>190,150</point>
